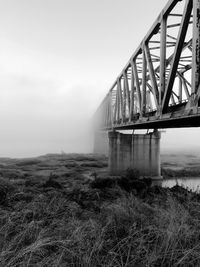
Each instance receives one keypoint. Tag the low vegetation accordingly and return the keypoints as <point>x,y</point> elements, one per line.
<point>183,172</point>
<point>71,213</point>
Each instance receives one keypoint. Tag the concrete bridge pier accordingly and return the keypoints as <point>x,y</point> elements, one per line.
<point>135,151</point>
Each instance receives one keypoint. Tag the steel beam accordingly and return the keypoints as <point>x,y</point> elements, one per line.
<point>162,58</point>
<point>196,47</point>
<point>177,53</point>
<point>147,89</point>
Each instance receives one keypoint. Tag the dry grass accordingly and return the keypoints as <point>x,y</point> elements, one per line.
<point>77,225</point>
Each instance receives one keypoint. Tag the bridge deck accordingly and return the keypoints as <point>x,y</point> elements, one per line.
<point>175,120</point>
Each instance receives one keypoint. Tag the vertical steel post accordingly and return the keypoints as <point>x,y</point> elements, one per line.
<point>162,58</point>
<point>118,102</point>
<point>124,96</point>
<point>131,95</point>
<point>180,90</point>
<point>144,80</point>
<point>196,47</point>
<point>137,84</point>
<point>110,109</point>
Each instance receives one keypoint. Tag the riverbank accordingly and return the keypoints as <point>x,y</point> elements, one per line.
<point>56,212</point>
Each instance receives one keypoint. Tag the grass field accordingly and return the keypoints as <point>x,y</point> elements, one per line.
<point>180,165</point>
<point>56,211</point>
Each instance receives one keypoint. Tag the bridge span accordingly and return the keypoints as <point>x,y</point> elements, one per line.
<point>159,87</point>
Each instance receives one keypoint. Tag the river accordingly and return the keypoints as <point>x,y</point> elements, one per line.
<point>191,183</point>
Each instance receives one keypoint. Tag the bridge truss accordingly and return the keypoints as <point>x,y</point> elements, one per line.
<point>160,85</point>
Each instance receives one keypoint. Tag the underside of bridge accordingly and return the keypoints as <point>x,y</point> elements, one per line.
<point>159,87</point>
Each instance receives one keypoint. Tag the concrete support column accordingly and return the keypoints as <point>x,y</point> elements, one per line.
<point>101,145</point>
<point>135,151</point>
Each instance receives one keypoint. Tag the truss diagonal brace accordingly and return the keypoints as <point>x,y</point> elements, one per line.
<point>177,53</point>
<point>152,75</point>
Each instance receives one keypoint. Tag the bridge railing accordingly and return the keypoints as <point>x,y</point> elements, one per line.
<point>162,75</point>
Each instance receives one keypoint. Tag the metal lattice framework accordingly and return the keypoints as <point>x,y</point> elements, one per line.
<point>160,85</point>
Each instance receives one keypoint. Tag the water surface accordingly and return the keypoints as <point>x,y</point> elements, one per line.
<point>191,183</point>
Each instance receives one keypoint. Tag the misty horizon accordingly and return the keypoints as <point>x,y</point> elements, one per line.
<point>58,60</point>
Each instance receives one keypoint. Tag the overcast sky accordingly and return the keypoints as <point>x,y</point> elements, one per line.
<point>58,58</point>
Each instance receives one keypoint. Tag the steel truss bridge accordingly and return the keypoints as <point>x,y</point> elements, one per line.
<point>160,85</point>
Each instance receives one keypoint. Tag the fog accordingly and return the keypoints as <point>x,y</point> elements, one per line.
<point>58,58</point>
<point>39,117</point>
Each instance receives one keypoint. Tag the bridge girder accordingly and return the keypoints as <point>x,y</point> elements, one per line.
<point>160,85</point>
